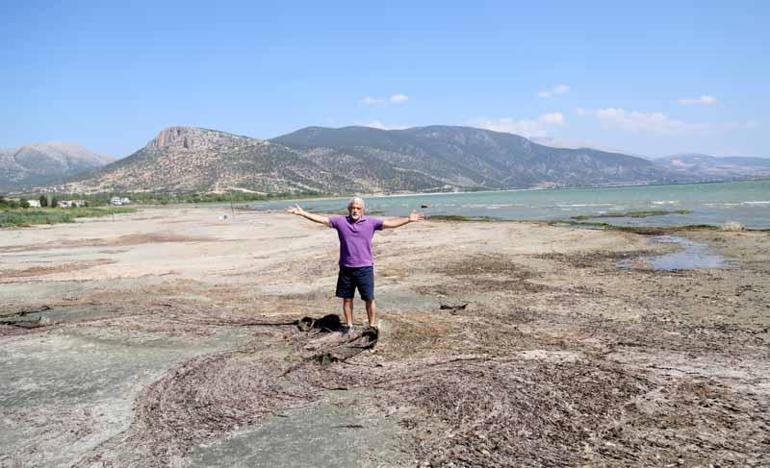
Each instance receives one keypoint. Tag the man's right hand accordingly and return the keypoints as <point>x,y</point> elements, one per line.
<point>296,209</point>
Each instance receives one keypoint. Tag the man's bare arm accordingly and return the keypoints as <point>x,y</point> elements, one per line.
<point>297,210</point>
<point>398,222</point>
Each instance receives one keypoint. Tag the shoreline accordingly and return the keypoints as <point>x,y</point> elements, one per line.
<point>687,213</point>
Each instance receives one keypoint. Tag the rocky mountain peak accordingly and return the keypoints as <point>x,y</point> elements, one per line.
<point>191,138</point>
<point>174,136</point>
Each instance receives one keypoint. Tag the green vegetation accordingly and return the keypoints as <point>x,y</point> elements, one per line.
<point>631,214</point>
<point>461,218</point>
<point>13,203</point>
<point>29,216</point>
<point>170,198</point>
<point>647,230</point>
<point>16,211</point>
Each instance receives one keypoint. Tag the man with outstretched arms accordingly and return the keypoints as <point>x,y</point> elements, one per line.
<point>356,232</point>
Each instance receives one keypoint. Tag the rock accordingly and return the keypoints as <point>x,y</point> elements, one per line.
<point>453,309</point>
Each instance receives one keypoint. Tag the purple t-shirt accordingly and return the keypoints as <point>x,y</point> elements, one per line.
<point>355,239</point>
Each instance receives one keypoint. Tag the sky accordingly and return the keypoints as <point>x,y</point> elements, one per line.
<point>646,78</point>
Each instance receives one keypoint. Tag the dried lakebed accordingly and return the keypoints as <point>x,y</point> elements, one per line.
<point>185,347</point>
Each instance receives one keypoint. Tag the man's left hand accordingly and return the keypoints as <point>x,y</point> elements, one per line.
<point>415,216</point>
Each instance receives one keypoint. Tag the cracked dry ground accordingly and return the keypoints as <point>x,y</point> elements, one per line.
<point>559,359</point>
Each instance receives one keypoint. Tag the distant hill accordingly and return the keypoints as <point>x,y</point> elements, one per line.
<point>364,160</point>
<point>359,159</point>
<point>185,159</point>
<point>44,163</point>
<point>444,157</point>
<point>705,167</point>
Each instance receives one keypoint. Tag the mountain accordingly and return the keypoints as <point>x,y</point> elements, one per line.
<point>44,163</point>
<point>360,159</point>
<point>185,159</point>
<point>442,157</point>
<point>707,167</point>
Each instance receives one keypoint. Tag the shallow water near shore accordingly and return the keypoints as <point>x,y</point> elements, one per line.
<point>687,204</point>
<point>692,256</point>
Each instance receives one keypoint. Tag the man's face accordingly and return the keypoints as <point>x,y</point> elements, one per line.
<point>355,210</point>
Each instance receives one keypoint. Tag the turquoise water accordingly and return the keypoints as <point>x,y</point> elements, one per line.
<point>714,203</point>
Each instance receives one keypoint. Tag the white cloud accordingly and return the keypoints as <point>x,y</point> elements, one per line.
<point>703,100</point>
<point>555,91</point>
<point>555,118</point>
<point>525,127</point>
<point>644,122</point>
<point>397,98</point>
<point>372,101</point>
<point>376,124</point>
<point>382,126</point>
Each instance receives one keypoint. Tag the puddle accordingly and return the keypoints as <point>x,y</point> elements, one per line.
<point>692,256</point>
<point>332,433</point>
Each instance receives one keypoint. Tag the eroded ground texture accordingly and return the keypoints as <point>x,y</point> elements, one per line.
<point>174,337</point>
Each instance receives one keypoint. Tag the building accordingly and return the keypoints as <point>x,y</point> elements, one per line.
<point>117,201</point>
<point>71,203</point>
<point>33,203</point>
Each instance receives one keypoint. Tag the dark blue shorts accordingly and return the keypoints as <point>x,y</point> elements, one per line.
<point>351,278</point>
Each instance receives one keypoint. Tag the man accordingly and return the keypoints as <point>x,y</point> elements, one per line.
<point>356,232</point>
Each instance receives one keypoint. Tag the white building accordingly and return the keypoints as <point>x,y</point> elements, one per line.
<point>117,201</point>
<point>71,203</point>
<point>34,203</point>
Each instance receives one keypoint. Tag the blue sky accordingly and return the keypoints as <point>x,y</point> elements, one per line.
<point>649,78</point>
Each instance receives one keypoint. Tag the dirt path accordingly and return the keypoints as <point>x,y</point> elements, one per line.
<point>171,337</point>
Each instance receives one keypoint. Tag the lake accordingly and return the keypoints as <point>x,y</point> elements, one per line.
<point>746,202</point>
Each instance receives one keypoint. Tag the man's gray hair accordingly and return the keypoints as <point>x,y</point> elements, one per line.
<point>357,200</point>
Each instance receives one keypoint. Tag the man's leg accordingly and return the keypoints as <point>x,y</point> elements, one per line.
<point>366,289</point>
<point>346,289</point>
<point>371,312</point>
<point>347,311</point>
